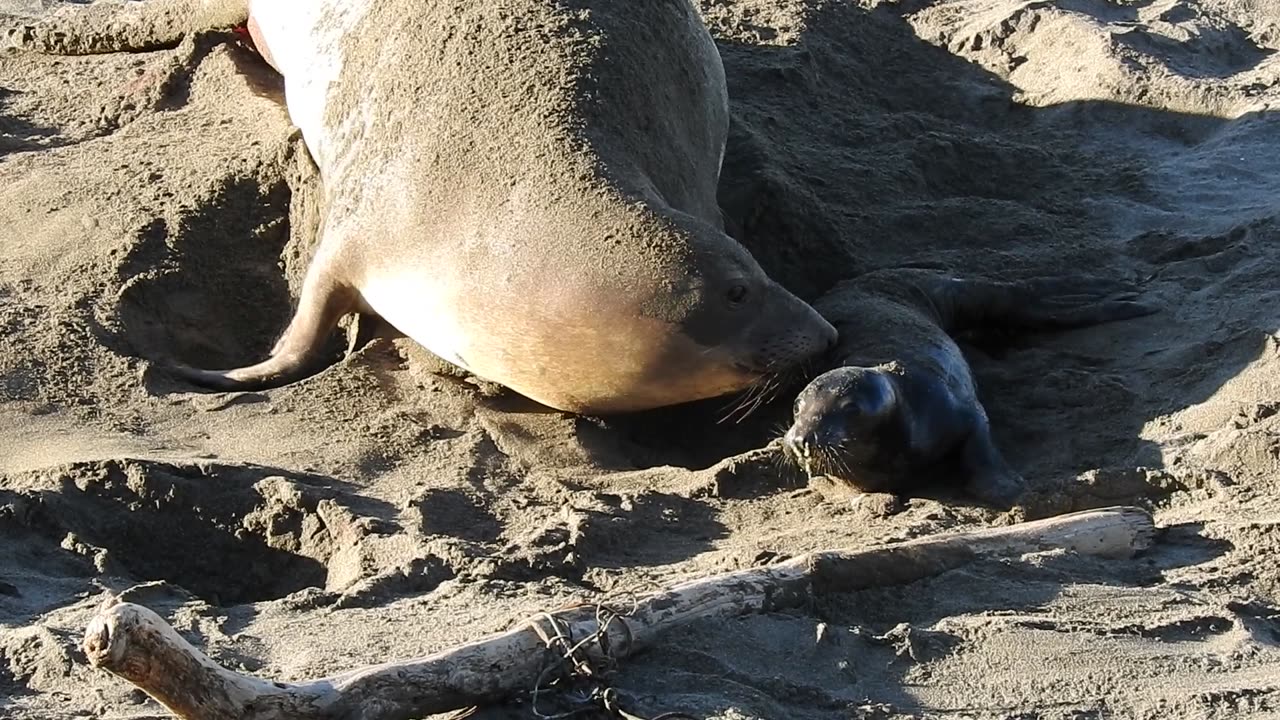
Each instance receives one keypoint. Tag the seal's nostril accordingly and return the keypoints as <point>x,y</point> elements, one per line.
<point>806,443</point>
<point>798,443</point>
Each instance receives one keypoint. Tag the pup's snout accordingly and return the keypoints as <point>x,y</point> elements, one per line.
<point>806,442</point>
<point>799,442</point>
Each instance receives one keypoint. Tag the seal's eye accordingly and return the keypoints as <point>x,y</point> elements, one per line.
<point>737,294</point>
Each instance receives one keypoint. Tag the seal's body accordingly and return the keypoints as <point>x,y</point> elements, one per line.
<point>527,189</point>
<point>901,403</point>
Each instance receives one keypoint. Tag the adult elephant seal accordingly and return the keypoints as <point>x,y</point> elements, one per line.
<point>901,403</point>
<point>527,188</point>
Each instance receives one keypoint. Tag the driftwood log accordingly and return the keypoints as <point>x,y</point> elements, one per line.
<point>136,644</point>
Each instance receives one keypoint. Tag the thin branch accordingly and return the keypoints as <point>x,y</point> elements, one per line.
<point>136,644</point>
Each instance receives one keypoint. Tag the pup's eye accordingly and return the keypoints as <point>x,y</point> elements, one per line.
<point>737,294</point>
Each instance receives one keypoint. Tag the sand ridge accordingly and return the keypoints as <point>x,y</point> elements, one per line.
<point>160,203</point>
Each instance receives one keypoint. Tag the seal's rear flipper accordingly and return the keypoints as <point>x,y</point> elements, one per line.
<point>1064,318</point>
<point>1054,303</point>
<point>275,372</point>
<point>1072,302</point>
<point>298,352</point>
<point>108,27</point>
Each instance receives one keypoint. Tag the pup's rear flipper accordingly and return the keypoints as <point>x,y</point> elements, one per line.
<point>1072,302</point>
<point>1049,303</point>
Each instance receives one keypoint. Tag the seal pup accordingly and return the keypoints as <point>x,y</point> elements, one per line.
<point>901,402</point>
<point>528,190</point>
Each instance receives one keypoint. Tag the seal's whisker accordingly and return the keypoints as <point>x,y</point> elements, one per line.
<point>777,383</point>
<point>845,466</point>
<point>728,407</point>
<point>786,456</point>
<point>761,392</point>
<point>772,387</point>
<point>836,463</point>
<point>739,402</point>
<point>750,407</point>
<point>779,429</point>
<point>782,460</point>
<point>822,459</point>
<point>762,397</point>
<point>737,399</point>
<point>758,394</point>
<point>748,402</point>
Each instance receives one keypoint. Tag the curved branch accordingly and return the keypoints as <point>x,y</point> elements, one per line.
<point>136,644</point>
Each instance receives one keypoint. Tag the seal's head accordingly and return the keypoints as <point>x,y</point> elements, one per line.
<point>677,312</point>
<point>843,422</point>
<point>737,324</point>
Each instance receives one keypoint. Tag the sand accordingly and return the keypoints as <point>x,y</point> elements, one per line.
<point>159,205</point>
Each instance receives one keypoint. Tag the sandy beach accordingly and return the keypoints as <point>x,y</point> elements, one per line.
<point>159,206</point>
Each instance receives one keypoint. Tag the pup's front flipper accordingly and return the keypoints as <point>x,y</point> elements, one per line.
<point>990,479</point>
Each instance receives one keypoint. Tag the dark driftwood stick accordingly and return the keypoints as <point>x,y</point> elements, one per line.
<point>136,644</point>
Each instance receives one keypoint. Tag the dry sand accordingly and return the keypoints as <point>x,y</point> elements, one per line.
<point>158,204</point>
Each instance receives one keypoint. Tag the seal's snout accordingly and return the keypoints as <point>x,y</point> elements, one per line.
<point>832,335</point>
<point>802,447</point>
<point>824,336</point>
<point>798,443</point>
<point>796,344</point>
<point>806,440</point>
